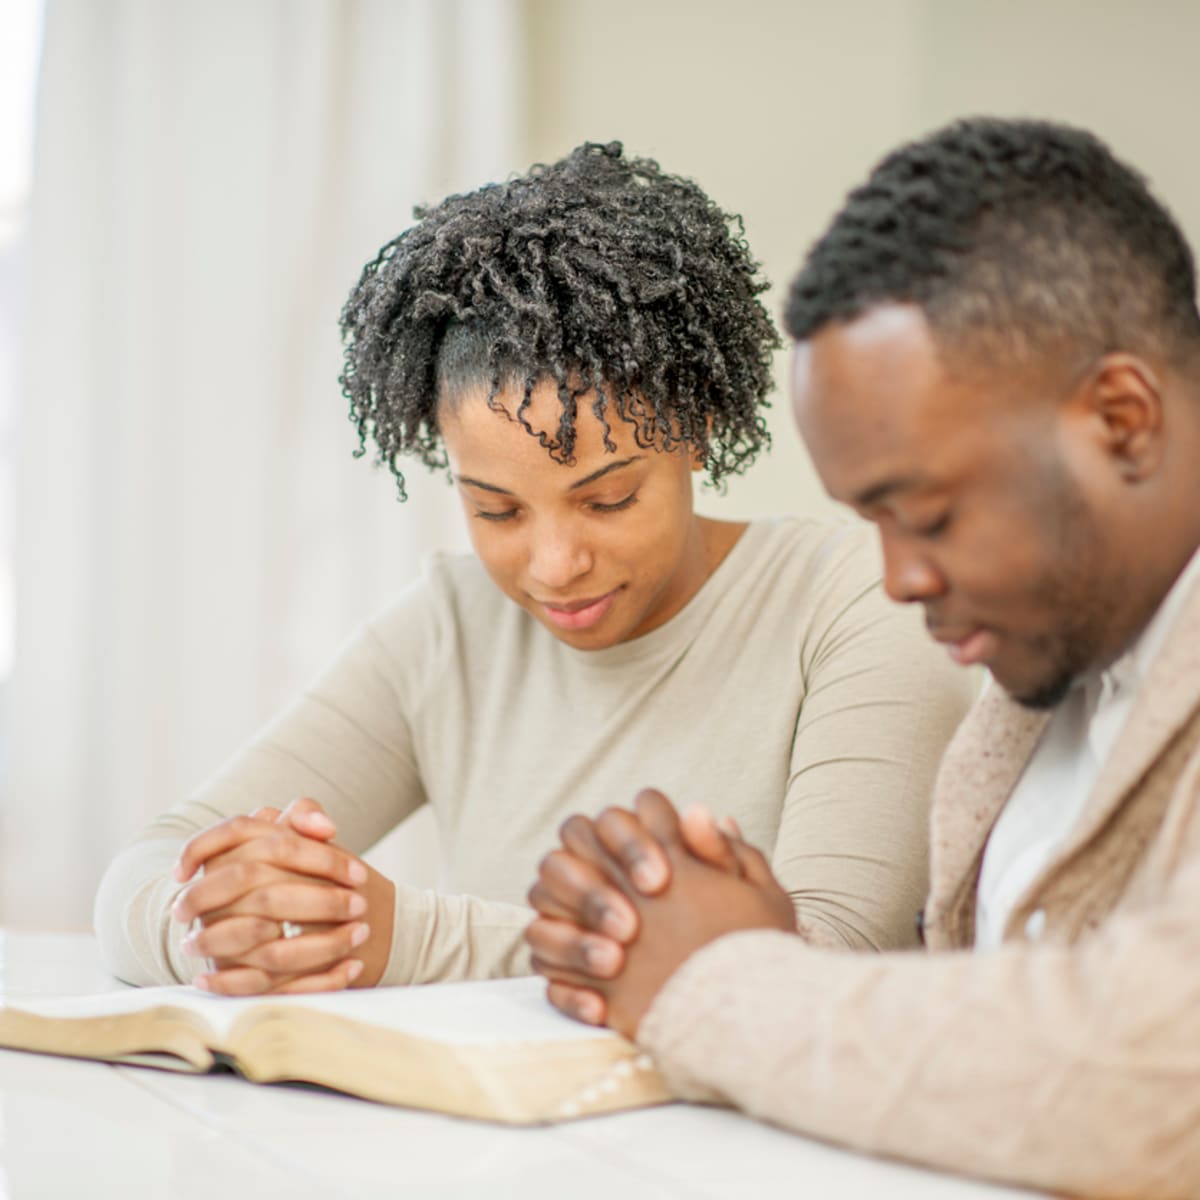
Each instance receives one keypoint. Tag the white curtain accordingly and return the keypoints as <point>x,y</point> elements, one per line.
<point>194,537</point>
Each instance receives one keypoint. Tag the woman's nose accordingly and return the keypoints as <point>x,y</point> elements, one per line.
<point>557,558</point>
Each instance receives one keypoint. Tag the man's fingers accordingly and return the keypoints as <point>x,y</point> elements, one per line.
<point>658,815</point>
<point>578,835</point>
<point>579,1002</point>
<point>571,889</point>
<point>625,838</point>
<point>730,827</point>
<point>704,838</point>
<point>562,946</point>
<point>753,864</point>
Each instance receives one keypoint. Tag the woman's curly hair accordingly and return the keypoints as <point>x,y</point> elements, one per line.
<point>599,272</point>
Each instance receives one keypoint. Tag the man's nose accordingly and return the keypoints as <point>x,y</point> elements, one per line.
<point>908,573</point>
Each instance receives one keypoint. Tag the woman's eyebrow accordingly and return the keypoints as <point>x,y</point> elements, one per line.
<point>614,466</point>
<point>478,483</point>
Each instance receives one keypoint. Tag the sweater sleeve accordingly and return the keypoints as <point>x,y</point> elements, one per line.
<point>346,742</point>
<point>881,701</point>
<point>1065,1067</point>
<point>442,937</point>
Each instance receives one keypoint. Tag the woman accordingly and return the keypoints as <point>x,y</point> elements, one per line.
<point>573,345</point>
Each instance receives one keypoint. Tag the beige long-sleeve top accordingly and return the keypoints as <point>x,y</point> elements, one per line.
<point>1068,1059</point>
<point>788,693</point>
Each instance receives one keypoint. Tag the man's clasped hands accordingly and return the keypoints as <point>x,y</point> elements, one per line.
<point>625,899</point>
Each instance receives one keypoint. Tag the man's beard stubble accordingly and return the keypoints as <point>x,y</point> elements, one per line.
<point>1072,591</point>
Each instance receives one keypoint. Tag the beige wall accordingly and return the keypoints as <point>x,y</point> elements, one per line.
<point>778,106</point>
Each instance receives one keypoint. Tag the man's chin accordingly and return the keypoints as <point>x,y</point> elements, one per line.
<point>1044,696</point>
<point>1030,687</point>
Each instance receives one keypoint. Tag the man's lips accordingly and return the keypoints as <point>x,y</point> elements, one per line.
<point>969,648</point>
<point>579,614</point>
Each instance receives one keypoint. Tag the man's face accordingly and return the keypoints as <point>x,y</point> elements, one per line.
<point>983,493</point>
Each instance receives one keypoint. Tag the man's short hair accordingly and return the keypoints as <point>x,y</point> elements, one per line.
<point>1015,238</point>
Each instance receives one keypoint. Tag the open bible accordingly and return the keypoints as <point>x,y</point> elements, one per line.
<point>495,1051</point>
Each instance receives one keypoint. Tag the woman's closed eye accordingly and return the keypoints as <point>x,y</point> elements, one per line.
<point>616,506</point>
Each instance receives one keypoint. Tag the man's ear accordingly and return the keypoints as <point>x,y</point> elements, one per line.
<point>1122,395</point>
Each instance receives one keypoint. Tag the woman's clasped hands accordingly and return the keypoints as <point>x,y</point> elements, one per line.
<point>276,906</point>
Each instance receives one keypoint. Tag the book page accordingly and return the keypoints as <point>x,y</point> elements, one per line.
<point>493,1050</point>
<point>484,1012</point>
<point>476,1013</point>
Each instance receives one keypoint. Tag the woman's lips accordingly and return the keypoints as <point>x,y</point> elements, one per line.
<point>581,614</point>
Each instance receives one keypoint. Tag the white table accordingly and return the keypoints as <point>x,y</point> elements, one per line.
<point>80,1129</point>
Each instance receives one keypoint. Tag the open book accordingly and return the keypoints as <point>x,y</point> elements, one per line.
<point>495,1051</point>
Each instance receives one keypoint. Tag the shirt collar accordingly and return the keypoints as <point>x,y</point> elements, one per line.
<point>1126,673</point>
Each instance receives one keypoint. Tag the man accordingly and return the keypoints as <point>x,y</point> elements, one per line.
<point>998,362</point>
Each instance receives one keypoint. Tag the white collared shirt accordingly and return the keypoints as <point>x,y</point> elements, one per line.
<point>1053,790</point>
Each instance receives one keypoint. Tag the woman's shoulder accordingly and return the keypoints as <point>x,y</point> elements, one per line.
<point>832,550</point>
<point>790,574</point>
<point>460,579</point>
<point>451,589</point>
<point>450,613</point>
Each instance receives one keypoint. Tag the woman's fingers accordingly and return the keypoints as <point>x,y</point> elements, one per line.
<point>261,860</point>
<point>300,828</point>
<point>312,950</point>
<point>256,889</point>
<point>307,817</point>
<point>259,942</point>
<point>218,839</point>
<point>230,938</point>
<point>340,975</point>
<point>254,981</point>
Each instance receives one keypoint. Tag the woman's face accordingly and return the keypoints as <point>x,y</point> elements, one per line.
<point>600,551</point>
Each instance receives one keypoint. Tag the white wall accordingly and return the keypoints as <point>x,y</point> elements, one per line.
<point>777,108</point>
